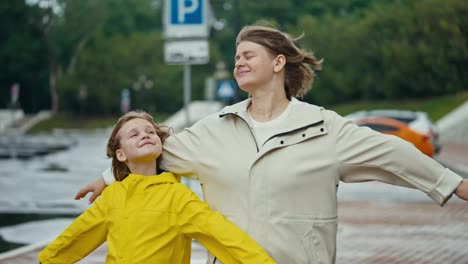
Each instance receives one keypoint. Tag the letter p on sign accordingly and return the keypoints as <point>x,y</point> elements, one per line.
<point>187,12</point>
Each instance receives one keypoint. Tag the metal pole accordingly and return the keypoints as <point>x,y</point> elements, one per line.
<point>187,93</point>
<point>237,28</point>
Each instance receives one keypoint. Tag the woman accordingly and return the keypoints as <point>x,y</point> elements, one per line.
<point>148,218</point>
<point>272,164</point>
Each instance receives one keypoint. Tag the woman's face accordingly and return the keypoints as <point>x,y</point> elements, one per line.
<point>138,142</point>
<point>253,65</point>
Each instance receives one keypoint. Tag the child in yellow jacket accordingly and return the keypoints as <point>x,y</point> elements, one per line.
<point>148,218</point>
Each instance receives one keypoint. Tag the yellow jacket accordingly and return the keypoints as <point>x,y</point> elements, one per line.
<point>152,219</point>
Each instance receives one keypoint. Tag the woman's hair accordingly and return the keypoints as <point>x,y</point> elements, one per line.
<point>120,169</point>
<point>298,76</point>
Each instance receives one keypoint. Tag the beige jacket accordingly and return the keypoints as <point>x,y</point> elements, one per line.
<point>285,195</point>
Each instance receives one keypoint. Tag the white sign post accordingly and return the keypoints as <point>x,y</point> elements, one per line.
<point>186,32</point>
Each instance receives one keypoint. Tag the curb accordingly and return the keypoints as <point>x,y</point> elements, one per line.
<point>21,250</point>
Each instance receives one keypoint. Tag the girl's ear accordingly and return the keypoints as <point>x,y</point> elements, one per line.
<point>121,155</point>
<point>279,63</point>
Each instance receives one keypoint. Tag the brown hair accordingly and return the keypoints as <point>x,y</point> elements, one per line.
<point>120,169</point>
<point>298,75</point>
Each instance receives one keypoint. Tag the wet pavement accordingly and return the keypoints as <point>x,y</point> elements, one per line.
<point>373,232</point>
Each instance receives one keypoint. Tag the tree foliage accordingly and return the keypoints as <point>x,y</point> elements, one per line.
<point>22,57</point>
<point>409,50</point>
<point>92,50</point>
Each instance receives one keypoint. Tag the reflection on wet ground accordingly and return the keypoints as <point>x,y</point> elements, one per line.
<point>43,186</point>
<point>28,147</point>
<point>12,239</point>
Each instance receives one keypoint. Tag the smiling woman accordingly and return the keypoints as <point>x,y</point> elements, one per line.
<point>274,60</point>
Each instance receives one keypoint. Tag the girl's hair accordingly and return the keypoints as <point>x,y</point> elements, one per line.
<point>120,169</point>
<point>298,75</point>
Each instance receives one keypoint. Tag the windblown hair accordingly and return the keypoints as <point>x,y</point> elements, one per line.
<point>299,76</point>
<point>120,169</point>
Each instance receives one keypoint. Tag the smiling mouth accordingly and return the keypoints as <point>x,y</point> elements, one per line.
<point>242,73</point>
<point>146,143</point>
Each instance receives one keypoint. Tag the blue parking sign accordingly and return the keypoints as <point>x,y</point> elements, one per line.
<point>186,19</point>
<point>186,12</point>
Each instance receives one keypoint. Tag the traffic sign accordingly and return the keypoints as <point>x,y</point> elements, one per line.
<point>226,89</point>
<point>186,19</point>
<point>186,52</point>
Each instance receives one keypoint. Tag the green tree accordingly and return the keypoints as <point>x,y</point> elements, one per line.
<point>22,56</point>
<point>392,50</point>
<point>66,26</point>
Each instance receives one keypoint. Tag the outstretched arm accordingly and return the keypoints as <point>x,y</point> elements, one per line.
<point>462,190</point>
<point>365,155</point>
<point>86,233</point>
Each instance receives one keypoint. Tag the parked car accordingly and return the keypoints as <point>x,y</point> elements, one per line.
<point>400,129</point>
<point>416,120</point>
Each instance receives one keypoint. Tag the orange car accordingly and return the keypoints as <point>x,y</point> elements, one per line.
<point>394,127</point>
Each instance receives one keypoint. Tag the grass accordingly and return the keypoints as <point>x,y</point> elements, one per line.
<point>435,107</point>
<point>71,122</point>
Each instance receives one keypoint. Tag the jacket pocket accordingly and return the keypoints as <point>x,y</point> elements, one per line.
<point>318,242</point>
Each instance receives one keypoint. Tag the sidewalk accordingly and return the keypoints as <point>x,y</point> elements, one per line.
<point>373,232</point>
<point>391,233</point>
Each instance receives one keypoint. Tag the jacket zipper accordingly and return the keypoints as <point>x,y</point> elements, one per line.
<point>248,126</point>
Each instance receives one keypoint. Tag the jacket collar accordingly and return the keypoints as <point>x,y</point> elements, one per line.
<point>302,114</point>
<point>165,177</point>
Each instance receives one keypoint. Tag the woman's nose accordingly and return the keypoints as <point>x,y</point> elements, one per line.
<point>238,63</point>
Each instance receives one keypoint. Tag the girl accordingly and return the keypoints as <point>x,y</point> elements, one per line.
<point>148,218</point>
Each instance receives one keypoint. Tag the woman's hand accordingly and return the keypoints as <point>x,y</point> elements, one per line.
<point>462,190</point>
<point>96,187</point>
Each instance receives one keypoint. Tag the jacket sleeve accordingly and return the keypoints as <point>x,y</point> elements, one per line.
<point>180,151</point>
<point>80,238</point>
<point>221,237</point>
<point>108,176</point>
<point>365,155</point>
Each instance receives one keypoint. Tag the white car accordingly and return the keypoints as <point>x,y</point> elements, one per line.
<point>417,120</point>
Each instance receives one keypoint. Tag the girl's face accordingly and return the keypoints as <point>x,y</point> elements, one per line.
<point>138,142</point>
<point>254,66</point>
